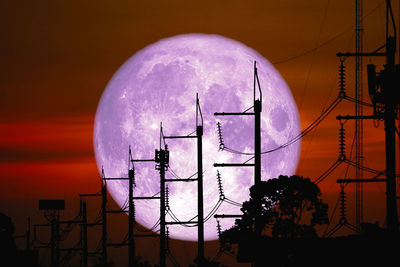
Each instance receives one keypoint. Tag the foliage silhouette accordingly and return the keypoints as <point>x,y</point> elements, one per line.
<point>284,207</point>
<point>7,243</point>
<point>208,263</point>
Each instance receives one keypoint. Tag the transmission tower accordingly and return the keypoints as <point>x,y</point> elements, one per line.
<point>382,90</point>
<point>359,111</point>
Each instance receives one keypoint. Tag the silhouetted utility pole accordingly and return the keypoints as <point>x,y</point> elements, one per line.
<point>51,210</point>
<point>161,159</point>
<point>382,89</point>
<point>28,235</point>
<point>257,128</point>
<point>104,219</point>
<point>103,223</point>
<point>200,208</point>
<point>84,235</point>
<point>257,108</point>
<point>131,212</point>
<point>359,144</point>
<point>391,77</point>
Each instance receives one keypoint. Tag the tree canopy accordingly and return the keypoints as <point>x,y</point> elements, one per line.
<point>283,207</point>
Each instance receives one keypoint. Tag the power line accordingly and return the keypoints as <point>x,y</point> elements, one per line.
<point>306,131</point>
<point>333,38</point>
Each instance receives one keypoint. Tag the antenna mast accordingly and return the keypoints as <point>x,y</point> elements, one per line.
<point>359,112</point>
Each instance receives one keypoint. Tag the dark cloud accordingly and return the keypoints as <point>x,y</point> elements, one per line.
<point>25,155</point>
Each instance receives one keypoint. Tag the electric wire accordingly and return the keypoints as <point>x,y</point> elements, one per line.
<point>232,202</point>
<point>352,99</point>
<point>206,218</point>
<point>364,168</point>
<point>213,211</point>
<point>173,260</point>
<point>328,41</point>
<point>328,171</point>
<point>176,176</point>
<point>331,217</point>
<point>306,131</point>
<point>304,155</point>
<point>149,230</point>
<point>313,56</point>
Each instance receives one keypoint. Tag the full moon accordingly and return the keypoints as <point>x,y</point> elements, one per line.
<point>159,84</point>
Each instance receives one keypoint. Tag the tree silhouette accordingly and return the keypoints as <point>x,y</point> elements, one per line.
<point>7,243</point>
<point>284,207</point>
<point>208,263</point>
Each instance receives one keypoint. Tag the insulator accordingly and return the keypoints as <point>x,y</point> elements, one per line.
<point>166,198</point>
<point>134,211</point>
<point>219,228</point>
<point>221,141</point>
<point>342,144</point>
<point>342,82</point>
<point>342,197</point>
<point>221,191</point>
<point>167,238</point>
<point>131,175</point>
<point>219,231</point>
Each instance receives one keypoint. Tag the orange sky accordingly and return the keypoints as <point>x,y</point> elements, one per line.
<point>57,57</point>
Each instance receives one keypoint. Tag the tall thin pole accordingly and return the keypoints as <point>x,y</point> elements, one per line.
<point>84,236</point>
<point>104,220</point>
<point>257,129</point>
<point>161,159</point>
<point>131,241</point>
<point>359,112</point>
<point>200,206</point>
<point>200,210</point>
<point>55,238</point>
<point>257,153</point>
<point>28,235</point>
<point>390,142</point>
<point>52,242</point>
<point>390,138</point>
<point>257,142</point>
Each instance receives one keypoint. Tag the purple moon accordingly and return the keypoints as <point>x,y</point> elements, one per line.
<point>159,84</point>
